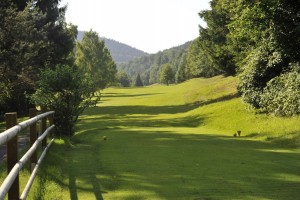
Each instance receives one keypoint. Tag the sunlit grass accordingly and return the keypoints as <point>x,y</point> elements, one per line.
<point>174,142</point>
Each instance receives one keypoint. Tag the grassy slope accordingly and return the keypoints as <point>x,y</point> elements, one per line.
<point>175,143</point>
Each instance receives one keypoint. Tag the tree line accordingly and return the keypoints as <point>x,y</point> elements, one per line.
<point>258,41</point>
<point>149,67</point>
<point>42,64</point>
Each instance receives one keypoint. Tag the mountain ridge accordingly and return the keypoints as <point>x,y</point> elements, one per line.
<point>120,52</point>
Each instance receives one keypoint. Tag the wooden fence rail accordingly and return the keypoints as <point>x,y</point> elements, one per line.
<point>10,185</point>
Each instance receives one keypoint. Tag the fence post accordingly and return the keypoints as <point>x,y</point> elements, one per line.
<point>12,155</point>
<point>33,137</point>
<point>44,127</point>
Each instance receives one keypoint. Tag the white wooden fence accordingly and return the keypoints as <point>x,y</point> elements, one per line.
<point>10,185</point>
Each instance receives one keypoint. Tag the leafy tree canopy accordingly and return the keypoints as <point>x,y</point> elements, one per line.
<point>67,91</point>
<point>94,58</point>
<point>166,74</point>
<point>123,79</point>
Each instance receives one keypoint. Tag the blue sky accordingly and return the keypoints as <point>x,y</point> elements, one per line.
<point>148,25</point>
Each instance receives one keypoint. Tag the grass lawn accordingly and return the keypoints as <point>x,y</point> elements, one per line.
<point>174,142</point>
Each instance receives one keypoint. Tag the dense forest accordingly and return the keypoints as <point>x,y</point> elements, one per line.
<point>149,67</point>
<point>120,52</point>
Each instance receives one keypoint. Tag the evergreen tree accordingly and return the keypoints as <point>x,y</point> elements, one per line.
<point>60,36</point>
<point>138,81</point>
<point>180,74</point>
<point>26,47</point>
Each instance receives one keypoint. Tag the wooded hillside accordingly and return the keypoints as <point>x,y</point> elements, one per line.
<point>120,52</point>
<point>150,66</point>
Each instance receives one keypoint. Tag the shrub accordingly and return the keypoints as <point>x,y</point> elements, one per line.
<point>281,96</point>
<point>123,79</point>
<point>67,91</point>
<point>262,65</point>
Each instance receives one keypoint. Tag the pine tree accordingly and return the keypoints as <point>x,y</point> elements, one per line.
<point>138,81</point>
<point>180,74</point>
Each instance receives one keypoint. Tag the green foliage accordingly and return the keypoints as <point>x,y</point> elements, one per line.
<point>197,64</point>
<point>180,75</point>
<point>213,38</point>
<point>138,81</point>
<point>167,74</point>
<point>286,22</point>
<point>249,26</point>
<point>67,91</point>
<point>268,72</point>
<point>154,74</point>
<point>4,94</point>
<point>149,67</point>
<point>263,64</point>
<point>282,94</point>
<point>33,36</point>
<point>61,37</point>
<point>94,58</point>
<point>123,79</point>
<point>20,41</point>
<point>120,52</point>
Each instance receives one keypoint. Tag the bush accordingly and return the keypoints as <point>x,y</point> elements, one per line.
<point>123,79</point>
<point>262,65</point>
<point>282,94</point>
<point>67,91</point>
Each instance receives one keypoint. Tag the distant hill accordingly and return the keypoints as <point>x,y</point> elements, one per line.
<point>120,52</point>
<point>149,66</point>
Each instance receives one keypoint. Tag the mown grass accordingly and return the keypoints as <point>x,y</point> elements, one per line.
<point>174,142</point>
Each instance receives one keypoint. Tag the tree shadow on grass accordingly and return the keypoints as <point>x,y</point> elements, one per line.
<point>109,95</point>
<point>101,123</point>
<point>166,165</point>
<point>149,110</point>
<point>291,139</point>
<point>154,110</point>
<point>158,164</point>
<point>77,164</point>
